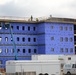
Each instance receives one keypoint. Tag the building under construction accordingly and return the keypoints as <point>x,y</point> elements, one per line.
<point>41,36</point>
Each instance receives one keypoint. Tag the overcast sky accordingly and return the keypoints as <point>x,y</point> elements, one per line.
<point>38,8</point>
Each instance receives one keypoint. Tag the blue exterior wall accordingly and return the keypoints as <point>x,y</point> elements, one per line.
<point>47,40</point>
<point>20,44</point>
<point>41,38</point>
<point>56,32</point>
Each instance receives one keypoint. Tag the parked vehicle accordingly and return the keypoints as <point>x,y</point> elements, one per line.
<point>69,69</point>
<point>33,67</point>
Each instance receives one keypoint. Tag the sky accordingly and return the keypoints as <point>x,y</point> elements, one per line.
<point>38,8</point>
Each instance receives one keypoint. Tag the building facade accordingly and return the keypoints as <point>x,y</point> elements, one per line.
<point>35,38</point>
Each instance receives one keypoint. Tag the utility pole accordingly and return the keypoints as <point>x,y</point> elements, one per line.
<point>6,26</point>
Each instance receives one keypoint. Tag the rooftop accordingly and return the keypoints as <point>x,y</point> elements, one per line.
<point>36,20</point>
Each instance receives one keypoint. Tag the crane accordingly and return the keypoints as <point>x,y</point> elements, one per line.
<point>8,26</point>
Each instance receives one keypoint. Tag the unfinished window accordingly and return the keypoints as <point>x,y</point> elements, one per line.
<point>23,39</point>
<point>17,38</point>
<point>6,39</point>
<point>69,58</point>
<point>71,49</point>
<point>52,49</point>
<point>0,39</point>
<point>66,39</point>
<point>29,50</point>
<point>28,28</point>
<point>34,39</point>
<point>61,50</point>
<point>11,27</point>
<point>35,50</point>
<point>0,26</point>
<point>34,28</point>
<point>23,28</point>
<point>61,39</point>
<point>29,39</point>
<point>66,49</point>
<point>0,50</point>
<point>24,51</point>
<point>18,27</point>
<point>66,28</point>
<point>6,25</point>
<point>52,38</point>
<point>52,27</point>
<point>61,28</point>
<point>12,50</point>
<point>71,39</point>
<point>18,50</point>
<point>70,28</point>
<point>6,50</point>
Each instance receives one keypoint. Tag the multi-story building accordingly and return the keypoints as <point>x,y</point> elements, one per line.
<point>51,36</point>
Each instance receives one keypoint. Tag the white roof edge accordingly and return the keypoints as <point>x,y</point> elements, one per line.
<point>19,61</point>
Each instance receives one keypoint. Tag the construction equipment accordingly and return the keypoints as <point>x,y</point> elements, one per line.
<point>8,26</point>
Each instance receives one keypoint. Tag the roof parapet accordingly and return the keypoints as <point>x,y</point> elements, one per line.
<point>37,20</point>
